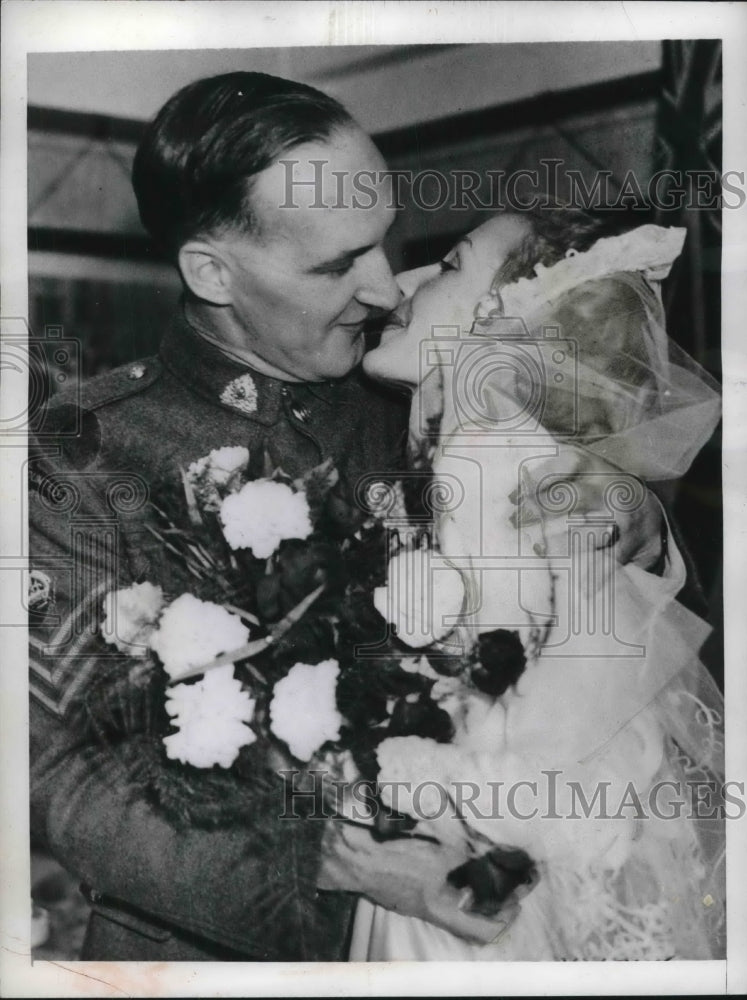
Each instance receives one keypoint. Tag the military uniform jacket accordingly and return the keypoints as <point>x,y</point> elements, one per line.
<point>160,892</point>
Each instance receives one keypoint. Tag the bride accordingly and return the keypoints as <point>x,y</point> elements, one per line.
<point>537,353</point>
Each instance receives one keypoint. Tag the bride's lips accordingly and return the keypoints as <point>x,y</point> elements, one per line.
<point>396,326</point>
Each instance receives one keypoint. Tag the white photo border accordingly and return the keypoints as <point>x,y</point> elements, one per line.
<point>46,26</point>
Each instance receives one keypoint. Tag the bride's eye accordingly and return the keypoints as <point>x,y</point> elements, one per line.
<point>448,265</point>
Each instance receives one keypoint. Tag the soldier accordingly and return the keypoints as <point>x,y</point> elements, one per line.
<point>264,353</point>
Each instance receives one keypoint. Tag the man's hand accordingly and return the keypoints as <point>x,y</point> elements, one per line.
<point>578,484</point>
<point>405,875</point>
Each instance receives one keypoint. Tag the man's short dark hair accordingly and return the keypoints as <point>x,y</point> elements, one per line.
<point>193,168</point>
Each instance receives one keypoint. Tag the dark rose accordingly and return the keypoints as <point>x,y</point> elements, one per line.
<point>366,556</point>
<point>360,624</point>
<point>362,703</point>
<point>299,568</point>
<point>420,718</point>
<point>501,661</point>
<point>365,686</point>
<point>332,510</point>
<point>339,517</point>
<point>311,640</point>
<point>493,877</point>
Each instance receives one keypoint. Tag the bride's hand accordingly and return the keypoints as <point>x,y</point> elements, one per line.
<point>406,875</point>
<point>617,508</point>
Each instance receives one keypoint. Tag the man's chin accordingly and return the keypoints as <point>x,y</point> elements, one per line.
<point>342,362</point>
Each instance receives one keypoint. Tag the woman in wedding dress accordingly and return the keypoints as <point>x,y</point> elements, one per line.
<point>538,355</point>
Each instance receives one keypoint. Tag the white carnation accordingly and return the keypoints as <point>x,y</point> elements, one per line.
<point>224,462</point>
<point>217,472</point>
<point>303,711</point>
<point>192,632</point>
<point>130,616</point>
<point>262,514</point>
<point>418,596</point>
<point>211,718</point>
<point>220,464</point>
<point>414,774</point>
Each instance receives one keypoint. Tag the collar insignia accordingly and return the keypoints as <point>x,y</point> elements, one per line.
<point>241,394</point>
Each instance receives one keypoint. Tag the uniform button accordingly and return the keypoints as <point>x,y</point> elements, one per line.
<point>136,371</point>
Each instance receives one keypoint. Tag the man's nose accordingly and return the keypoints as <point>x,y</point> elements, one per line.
<point>378,287</point>
<point>410,281</point>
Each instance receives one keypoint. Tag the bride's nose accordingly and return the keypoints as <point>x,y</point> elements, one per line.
<point>410,281</point>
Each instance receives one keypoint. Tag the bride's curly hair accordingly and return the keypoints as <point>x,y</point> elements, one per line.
<point>556,229</point>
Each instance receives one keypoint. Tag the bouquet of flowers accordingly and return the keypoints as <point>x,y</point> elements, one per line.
<point>289,646</point>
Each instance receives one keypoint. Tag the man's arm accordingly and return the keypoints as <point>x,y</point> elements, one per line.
<point>250,886</point>
<point>213,883</point>
<point>407,876</point>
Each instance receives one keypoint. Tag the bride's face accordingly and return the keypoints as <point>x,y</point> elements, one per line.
<point>444,296</point>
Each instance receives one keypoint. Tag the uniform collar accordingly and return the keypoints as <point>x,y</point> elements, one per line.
<point>205,370</point>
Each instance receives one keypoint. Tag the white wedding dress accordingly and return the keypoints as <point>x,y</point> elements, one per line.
<point>613,696</point>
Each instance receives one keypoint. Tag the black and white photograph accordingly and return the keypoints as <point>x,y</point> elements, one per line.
<point>373,498</point>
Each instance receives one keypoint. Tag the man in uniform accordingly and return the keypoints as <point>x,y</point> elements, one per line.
<point>279,285</point>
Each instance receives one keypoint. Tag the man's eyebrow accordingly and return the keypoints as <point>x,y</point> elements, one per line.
<point>340,260</point>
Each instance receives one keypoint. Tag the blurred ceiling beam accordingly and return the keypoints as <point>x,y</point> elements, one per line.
<point>405,54</point>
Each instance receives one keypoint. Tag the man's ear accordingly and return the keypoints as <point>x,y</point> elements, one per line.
<point>205,273</point>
